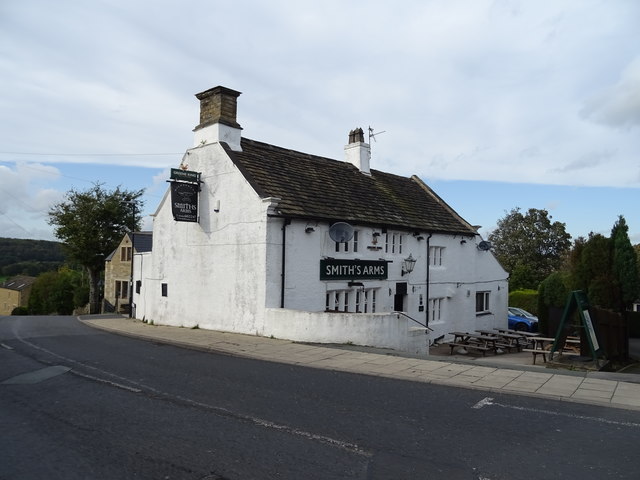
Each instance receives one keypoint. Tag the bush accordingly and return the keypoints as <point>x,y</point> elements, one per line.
<point>525,299</point>
<point>20,311</point>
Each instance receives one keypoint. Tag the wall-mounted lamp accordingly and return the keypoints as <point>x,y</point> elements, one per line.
<point>408,264</point>
<point>309,230</point>
<point>420,237</point>
<point>463,241</point>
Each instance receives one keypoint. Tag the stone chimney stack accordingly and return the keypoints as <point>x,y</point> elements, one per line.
<point>357,152</point>
<point>218,108</point>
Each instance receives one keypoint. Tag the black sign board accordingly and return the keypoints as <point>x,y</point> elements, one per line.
<point>333,269</point>
<point>184,201</point>
<point>185,175</point>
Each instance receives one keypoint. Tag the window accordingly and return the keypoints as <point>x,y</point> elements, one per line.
<point>337,301</point>
<point>122,289</point>
<point>436,255</point>
<point>125,254</point>
<point>138,285</point>
<point>373,301</point>
<point>435,310</point>
<point>393,243</point>
<point>360,300</point>
<point>164,289</point>
<point>482,302</point>
<point>350,245</point>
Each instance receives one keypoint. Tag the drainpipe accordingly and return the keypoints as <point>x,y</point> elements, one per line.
<point>287,221</point>
<point>428,278</point>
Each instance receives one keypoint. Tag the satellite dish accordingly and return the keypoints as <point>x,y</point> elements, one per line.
<point>484,246</point>
<point>341,232</point>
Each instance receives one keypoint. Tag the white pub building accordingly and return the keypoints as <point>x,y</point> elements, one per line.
<point>258,239</point>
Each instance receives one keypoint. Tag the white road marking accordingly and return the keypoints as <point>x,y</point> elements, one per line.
<point>483,402</point>
<point>351,447</point>
<point>487,401</point>
<point>6,346</point>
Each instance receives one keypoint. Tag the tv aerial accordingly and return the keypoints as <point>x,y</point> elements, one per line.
<point>373,135</point>
<point>341,232</point>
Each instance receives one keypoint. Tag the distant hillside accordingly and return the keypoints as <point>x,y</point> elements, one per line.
<point>29,257</point>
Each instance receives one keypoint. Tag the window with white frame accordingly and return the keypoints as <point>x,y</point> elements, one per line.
<point>360,301</point>
<point>337,300</point>
<point>393,243</point>
<point>482,302</point>
<point>436,255</point>
<point>435,310</point>
<point>350,246</point>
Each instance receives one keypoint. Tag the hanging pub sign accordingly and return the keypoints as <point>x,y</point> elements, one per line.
<point>333,269</point>
<point>185,186</point>
<point>184,201</point>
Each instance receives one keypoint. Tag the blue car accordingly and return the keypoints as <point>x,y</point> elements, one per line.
<point>522,321</point>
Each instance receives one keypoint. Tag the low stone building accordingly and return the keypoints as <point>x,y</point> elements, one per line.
<point>117,271</point>
<point>15,293</point>
<point>260,239</point>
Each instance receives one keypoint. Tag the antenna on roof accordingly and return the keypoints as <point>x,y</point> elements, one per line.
<point>373,135</point>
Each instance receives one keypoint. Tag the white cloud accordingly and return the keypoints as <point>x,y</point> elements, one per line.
<point>24,202</point>
<point>618,105</point>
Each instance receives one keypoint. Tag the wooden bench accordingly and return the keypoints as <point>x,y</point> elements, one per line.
<point>544,353</point>
<point>536,352</point>
<point>472,346</point>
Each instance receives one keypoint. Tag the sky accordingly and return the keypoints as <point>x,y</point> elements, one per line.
<point>496,104</point>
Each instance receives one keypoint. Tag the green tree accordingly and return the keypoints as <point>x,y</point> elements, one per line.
<point>90,225</point>
<point>530,246</point>
<point>42,294</point>
<point>624,265</point>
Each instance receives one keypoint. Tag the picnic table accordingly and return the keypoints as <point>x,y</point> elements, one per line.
<point>507,340</point>
<point>518,332</point>
<point>542,346</point>
<point>480,342</point>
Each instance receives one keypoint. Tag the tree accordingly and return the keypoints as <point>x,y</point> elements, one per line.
<point>57,292</point>
<point>90,224</point>
<point>624,265</point>
<point>530,247</point>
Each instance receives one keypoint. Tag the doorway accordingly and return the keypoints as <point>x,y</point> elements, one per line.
<point>400,298</point>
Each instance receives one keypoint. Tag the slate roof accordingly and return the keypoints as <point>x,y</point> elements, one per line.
<point>322,189</point>
<point>19,282</point>
<point>143,242</point>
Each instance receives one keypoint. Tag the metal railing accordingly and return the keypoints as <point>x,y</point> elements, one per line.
<point>414,320</point>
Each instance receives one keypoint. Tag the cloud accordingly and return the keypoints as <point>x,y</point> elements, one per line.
<point>618,105</point>
<point>24,201</point>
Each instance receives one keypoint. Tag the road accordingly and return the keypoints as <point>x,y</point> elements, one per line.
<point>78,403</point>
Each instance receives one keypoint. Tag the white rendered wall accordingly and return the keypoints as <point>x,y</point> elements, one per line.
<point>225,272</point>
<point>380,330</point>
<point>214,269</point>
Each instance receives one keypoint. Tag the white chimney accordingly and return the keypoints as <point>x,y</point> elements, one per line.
<point>218,108</point>
<point>357,152</point>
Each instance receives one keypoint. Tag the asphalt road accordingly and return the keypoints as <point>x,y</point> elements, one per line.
<point>77,403</point>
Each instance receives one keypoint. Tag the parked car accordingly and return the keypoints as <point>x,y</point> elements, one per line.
<point>522,320</point>
<point>519,312</point>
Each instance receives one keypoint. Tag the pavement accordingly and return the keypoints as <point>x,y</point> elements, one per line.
<point>511,373</point>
